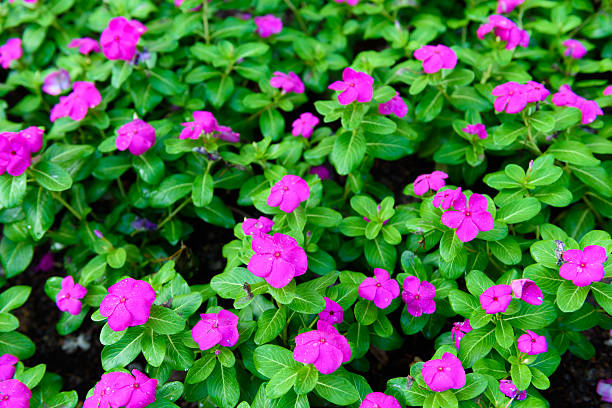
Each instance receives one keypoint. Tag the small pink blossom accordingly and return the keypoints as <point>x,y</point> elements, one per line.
<point>85,45</point>
<point>527,290</point>
<point>288,193</point>
<point>469,220</point>
<point>350,3</point>
<point>14,394</point>
<point>380,289</point>
<point>98,234</point>
<point>226,133</point>
<point>7,366</point>
<point>56,82</point>
<point>574,49</point>
<point>584,267</point>
<point>532,343</point>
<point>321,171</point>
<point>277,259</point>
<point>287,82</point>
<point>506,6</point>
<point>257,226</point>
<point>325,348</point>
<point>445,199</point>
<point>355,86</point>
<point>436,57</point>
<point>588,109</point>
<point>379,400</point>
<point>608,90</point>
<point>127,304</point>
<point>505,30</point>
<point>395,105</point>
<point>69,297</point>
<point>418,296</point>
<point>203,121</point>
<point>15,153</point>
<point>496,299</point>
<point>445,373</point>
<point>268,25</point>
<point>144,390</point>
<point>332,313</point>
<point>511,97</point>
<point>120,38</point>
<point>137,136</point>
<point>604,388</point>
<point>27,1</point>
<point>477,129</point>
<point>426,182</point>
<point>216,328</point>
<point>178,3</point>
<point>459,330</point>
<point>84,96</point>
<point>565,96</point>
<point>535,92</point>
<point>113,390</point>
<point>10,51</point>
<point>33,136</point>
<point>508,388</point>
<point>304,125</point>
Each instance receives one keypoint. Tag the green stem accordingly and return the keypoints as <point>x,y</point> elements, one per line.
<point>59,198</point>
<point>487,74</point>
<point>205,21</point>
<point>173,213</point>
<point>296,12</point>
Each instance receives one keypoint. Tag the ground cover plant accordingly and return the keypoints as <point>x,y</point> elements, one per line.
<point>321,203</point>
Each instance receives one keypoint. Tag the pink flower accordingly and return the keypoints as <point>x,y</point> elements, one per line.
<point>355,86</point>
<point>226,133</point>
<point>588,109</point>
<point>508,388</point>
<point>144,390</point>
<point>446,198</point>
<point>321,171</point>
<point>27,1</point>
<point>15,153</point>
<point>506,6</point>
<point>84,96</point>
<point>216,328</point>
<point>85,45</point>
<point>34,138</point>
<point>112,391</point>
<point>565,97</point>
<point>395,105</point>
<point>252,226</point>
<point>203,121</point>
<point>574,49</point>
<point>127,304</point>
<point>535,91</point>
<point>608,90</point>
<point>14,394</point>
<point>288,83</point>
<point>332,313</point>
<point>505,30</point>
<point>584,267</point>
<point>98,234</point>
<point>120,38</point>
<point>324,347</point>
<point>433,181</point>
<point>469,221</point>
<point>288,193</point>
<point>496,299</point>
<point>459,330</point>
<point>268,25</point>
<point>604,388</point>
<point>350,3</point>
<point>476,129</point>
<point>277,259</point>
<point>436,57</point>
<point>444,374</point>
<point>56,82</point>
<point>380,289</point>
<point>511,96</point>
<point>7,366</point>
<point>304,125</point>
<point>379,400</point>
<point>68,298</point>
<point>136,135</point>
<point>418,296</point>
<point>10,51</point>
<point>527,290</point>
<point>532,343</point>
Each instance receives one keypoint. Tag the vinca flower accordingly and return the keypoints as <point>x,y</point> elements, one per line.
<point>443,374</point>
<point>527,290</point>
<point>120,38</point>
<point>436,57</point>
<point>511,97</point>
<point>379,400</point>
<point>268,25</point>
<point>252,226</point>
<point>56,82</point>
<point>137,136</point>
<point>532,343</point>
<point>506,6</point>
<point>355,86</point>
<point>535,92</point>
<point>496,299</point>
<point>287,82</point>
<point>505,30</point>
<point>445,199</point>
<point>608,90</point>
<point>216,328</point>
<point>69,297</point>
<point>321,171</point>
<point>588,109</point>
<point>418,296</point>
<point>288,193</point>
<point>604,388</point>
<point>144,390</point>
<point>459,330</point>
<point>112,391</point>
<point>85,45</point>
<point>277,259</point>
<point>349,2</point>
<point>380,289</point>
<point>584,267</point>
<point>332,313</point>
<point>7,366</point>
<point>127,304</point>
<point>426,182</point>
<point>203,121</point>
<point>469,220</point>
<point>477,129</point>
<point>395,106</point>
<point>9,52</point>
<point>15,155</point>
<point>304,125</point>
<point>14,394</point>
<point>574,49</point>
<point>84,96</point>
<point>508,388</point>
<point>325,348</point>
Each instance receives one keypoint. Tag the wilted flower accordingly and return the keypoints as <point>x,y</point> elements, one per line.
<point>137,135</point>
<point>268,25</point>
<point>418,296</point>
<point>288,193</point>
<point>10,51</point>
<point>433,181</point>
<point>332,313</point>
<point>469,220</point>
<point>7,366</point>
<point>304,125</point>
<point>445,373</point>
<point>325,348</point>
<point>379,400</point>
<point>532,343</point>
<point>459,330</point>
<point>14,394</point>
<point>604,388</point>
<point>287,82</point>
<point>69,297</point>
<point>380,289</point>
<point>477,129</point>
<point>436,57</point>
<point>127,304</point>
<point>395,105</point>
<point>252,226</point>
<point>56,82</point>
<point>216,328</point>
<point>527,290</point>
<point>584,267</point>
<point>355,86</point>
<point>496,299</point>
<point>84,96</point>
<point>277,259</point>
<point>574,49</point>
<point>85,45</point>
<point>120,38</point>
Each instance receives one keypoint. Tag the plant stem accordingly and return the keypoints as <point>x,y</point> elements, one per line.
<point>205,21</point>
<point>296,12</point>
<point>173,213</point>
<point>59,198</point>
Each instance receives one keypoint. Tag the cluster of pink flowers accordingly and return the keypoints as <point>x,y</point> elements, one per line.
<point>513,97</point>
<point>459,330</point>
<point>127,304</point>
<point>304,125</point>
<point>120,389</point>
<point>260,225</point>
<point>16,149</point>
<point>325,348</point>
<point>288,193</point>
<point>588,109</point>
<point>436,57</point>
<point>506,6</point>
<point>395,106</point>
<point>379,400</point>
<point>69,297</point>
<point>137,136</point>
<point>85,45</point>
<point>268,25</point>
<point>418,296</point>
<point>205,122</point>
<point>584,267</point>
<point>477,129</point>
<point>13,393</point>
<point>287,82</point>
<point>83,97</point>
<point>10,51</point>
<point>508,388</point>
<point>505,30</point>
<point>277,259</point>
<point>574,49</point>
<point>120,38</point>
<point>497,298</point>
<point>445,373</point>
<point>333,312</point>
<point>380,289</point>
<point>216,328</point>
<point>468,217</point>
<point>56,82</point>
<point>355,86</point>
<point>426,182</point>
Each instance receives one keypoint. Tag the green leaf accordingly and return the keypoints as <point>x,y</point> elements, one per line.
<point>116,258</point>
<point>307,301</point>
<point>542,121</point>
<point>450,245</point>
<point>216,213</point>
<point>306,380</point>
<point>571,297</point>
<point>149,167</point>
<point>93,270</point>
<point>32,376</point>
<point>353,115</point>
<point>337,390</point>
<point>506,250</point>
<point>508,132</point>
<point>112,167</point>
<point>603,295</point>
<point>201,369</point>
<point>504,334</point>
<point>124,351</point>
<point>475,345</point>
<point>16,344</point>
<point>39,208</point>
<point>51,176</point>
<point>477,282</point>
<point>202,193</point>
<point>521,376</point>
<point>324,217</point>
<point>465,98</point>
<point>178,355</point>
<point>533,317</point>
<point>378,125</point>
<point>539,379</point>
<point>281,382</point>
<point>272,124</point>
<point>8,322</point>
<point>171,190</point>
<point>12,190</point>
<point>595,177</point>
<point>572,152</point>
<point>165,321</point>
<point>380,254</point>
<point>14,297</point>
<point>430,106</point>
<point>15,256</point>
<point>269,359</point>
<point>270,325</point>
<point>475,385</point>
<point>388,147</point>
<point>462,303</point>
<point>348,151</point>
<point>519,211</point>
<point>366,312</point>
<point>223,387</point>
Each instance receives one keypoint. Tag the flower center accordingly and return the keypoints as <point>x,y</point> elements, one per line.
<point>67,295</point>
<point>215,325</point>
<point>495,298</point>
<point>440,368</point>
<point>416,297</point>
<point>533,340</point>
<point>582,265</point>
<point>277,254</point>
<point>511,93</point>
<point>116,38</point>
<point>467,213</point>
<point>136,385</point>
<point>378,285</point>
<point>322,341</point>
<point>123,299</point>
<point>331,312</point>
<point>5,397</point>
<point>285,188</point>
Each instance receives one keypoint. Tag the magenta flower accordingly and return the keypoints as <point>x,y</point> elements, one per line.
<point>127,304</point>
<point>120,38</point>
<point>304,125</point>
<point>258,226</point>
<point>565,97</point>
<point>288,193</point>
<point>137,135</point>
<point>608,90</point>
<point>505,30</point>
<point>395,105</point>
<point>535,91</point>
<point>277,259</point>
<point>68,298</point>
<point>469,221</point>
<point>477,129</point>
<point>532,343</point>
<point>355,86</point>
<point>350,3</point>
<point>321,171</point>
<point>604,388</point>
<point>33,138</point>
<point>45,264</point>
<point>459,330</point>
<point>85,45</point>
<point>496,299</point>
<point>216,328</point>
<point>203,121</point>
<point>10,51</point>
<point>508,388</point>
<point>444,374</point>
<point>14,394</point>
<point>84,96</point>
<point>511,97</point>
<point>98,234</point>
<point>380,289</point>
<point>268,25</point>
<point>56,82</point>
<point>589,110</point>
<point>113,390</point>
<point>7,366</point>
<point>436,57</point>
<point>15,153</point>
<point>287,82</point>
<point>418,296</point>
<point>144,390</point>
<point>446,198</point>
<point>527,290</point>
<point>325,348</point>
<point>332,313</point>
<point>433,181</point>
<point>379,400</point>
<point>506,6</point>
<point>574,49</point>
<point>584,267</point>
<point>226,133</point>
